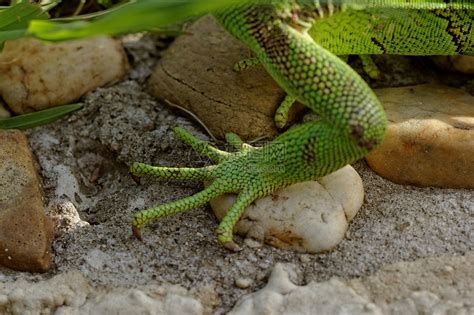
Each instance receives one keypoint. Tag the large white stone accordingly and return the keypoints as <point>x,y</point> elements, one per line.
<point>308,217</point>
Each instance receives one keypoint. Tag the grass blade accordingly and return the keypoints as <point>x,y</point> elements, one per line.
<point>140,15</point>
<point>14,20</point>
<point>19,15</point>
<point>39,118</point>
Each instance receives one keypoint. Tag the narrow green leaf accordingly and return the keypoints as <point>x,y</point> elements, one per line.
<point>8,35</point>
<point>39,118</point>
<point>140,15</point>
<point>14,20</point>
<point>19,15</point>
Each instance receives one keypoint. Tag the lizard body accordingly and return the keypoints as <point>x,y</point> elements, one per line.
<point>398,27</point>
<point>285,37</point>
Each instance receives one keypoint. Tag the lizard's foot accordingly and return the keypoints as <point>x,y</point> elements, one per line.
<point>281,114</point>
<point>229,175</point>
<point>370,68</point>
<point>246,64</point>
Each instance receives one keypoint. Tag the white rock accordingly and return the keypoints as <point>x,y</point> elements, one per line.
<point>71,294</point>
<point>243,283</point>
<point>97,258</point>
<point>65,217</point>
<point>414,287</point>
<point>35,75</point>
<point>4,113</point>
<point>281,296</point>
<point>133,301</point>
<point>69,289</point>
<point>308,217</point>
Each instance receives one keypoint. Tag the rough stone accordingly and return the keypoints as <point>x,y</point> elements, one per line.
<point>464,64</point>
<point>25,231</point>
<point>225,101</point>
<point>435,285</point>
<point>430,137</point>
<point>308,217</point>
<point>4,113</point>
<point>281,296</point>
<point>134,301</point>
<point>70,293</point>
<point>35,76</point>
<point>65,217</point>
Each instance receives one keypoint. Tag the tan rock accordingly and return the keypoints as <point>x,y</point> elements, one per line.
<point>4,113</point>
<point>464,64</point>
<point>430,137</point>
<point>25,231</point>
<point>196,74</point>
<point>35,75</point>
<point>307,217</point>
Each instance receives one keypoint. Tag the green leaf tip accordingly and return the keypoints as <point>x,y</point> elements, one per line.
<point>39,118</point>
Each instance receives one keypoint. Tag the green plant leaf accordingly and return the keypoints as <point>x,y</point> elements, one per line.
<point>139,15</point>
<point>14,20</point>
<point>39,118</point>
<point>18,16</point>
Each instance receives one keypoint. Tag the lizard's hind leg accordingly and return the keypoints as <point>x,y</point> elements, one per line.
<point>281,114</point>
<point>370,68</point>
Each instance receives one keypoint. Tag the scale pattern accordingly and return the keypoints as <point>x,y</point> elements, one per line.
<point>352,119</point>
<point>444,30</point>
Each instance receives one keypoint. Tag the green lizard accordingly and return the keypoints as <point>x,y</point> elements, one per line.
<point>289,38</point>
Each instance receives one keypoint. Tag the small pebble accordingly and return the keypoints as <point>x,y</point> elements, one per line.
<point>448,269</point>
<point>4,113</point>
<point>3,299</point>
<point>348,234</point>
<point>305,258</point>
<point>243,283</point>
<point>252,243</point>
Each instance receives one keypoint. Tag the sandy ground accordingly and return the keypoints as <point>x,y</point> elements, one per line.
<point>83,160</point>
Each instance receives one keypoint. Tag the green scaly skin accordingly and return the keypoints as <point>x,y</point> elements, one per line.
<point>352,119</point>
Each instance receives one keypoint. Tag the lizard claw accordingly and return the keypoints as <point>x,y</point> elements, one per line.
<point>137,232</point>
<point>136,179</point>
<point>231,245</point>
